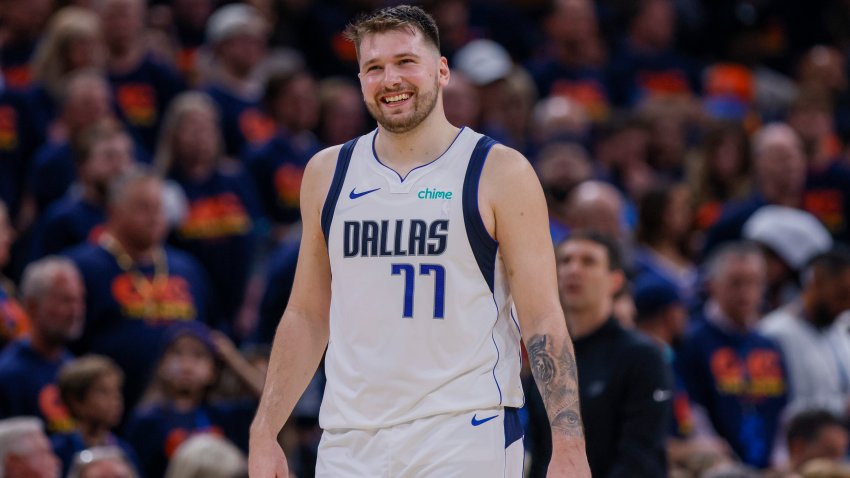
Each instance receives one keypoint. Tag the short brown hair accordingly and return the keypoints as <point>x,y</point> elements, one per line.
<point>401,17</point>
<point>76,377</point>
<point>92,135</point>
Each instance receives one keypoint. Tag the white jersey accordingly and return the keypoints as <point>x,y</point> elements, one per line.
<point>420,318</point>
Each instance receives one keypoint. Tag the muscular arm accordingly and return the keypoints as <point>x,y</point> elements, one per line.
<point>302,334</point>
<point>514,210</point>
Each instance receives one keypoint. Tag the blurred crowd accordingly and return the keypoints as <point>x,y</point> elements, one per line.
<point>694,155</point>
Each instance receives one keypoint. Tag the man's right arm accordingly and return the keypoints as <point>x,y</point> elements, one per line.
<point>302,334</point>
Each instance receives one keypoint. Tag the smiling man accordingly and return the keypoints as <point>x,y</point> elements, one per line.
<point>410,264</point>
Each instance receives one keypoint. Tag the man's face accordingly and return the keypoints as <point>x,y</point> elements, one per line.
<point>36,460</point>
<point>401,76</point>
<point>832,296</point>
<point>738,287</point>
<point>139,217</point>
<point>584,278</point>
<point>830,443</point>
<point>60,312</point>
<point>109,158</point>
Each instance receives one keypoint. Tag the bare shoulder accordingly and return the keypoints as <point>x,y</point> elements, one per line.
<point>504,164</point>
<point>318,175</point>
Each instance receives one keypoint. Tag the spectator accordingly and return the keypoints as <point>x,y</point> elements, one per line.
<point>599,207</point>
<point>188,22</point>
<point>460,100</point>
<point>561,167</point>
<point>732,371</point>
<point>621,150</point>
<point>277,165</point>
<point>14,322</point>
<point>19,138</point>
<point>719,172</point>
<point>53,296</point>
<point>136,285</point>
<point>72,42</point>
<point>663,235</point>
<point>219,227</point>
<point>789,238</point>
<point>624,384</point>
<point>342,115</point>
<point>646,63</point>
<point>103,152</point>
<point>87,101</point>
<point>207,456</point>
<point>23,23</point>
<point>779,163</point>
<point>237,35</point>
<point>90,387</point>
<point>177,402</point>
<point>812,333</point>
<point>572,63</point>
<point>25,451</point>
<point>143,87</point>
<point>102,462</point>
<point>816,434</point>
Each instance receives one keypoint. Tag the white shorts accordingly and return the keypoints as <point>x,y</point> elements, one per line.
<point>482,443</point>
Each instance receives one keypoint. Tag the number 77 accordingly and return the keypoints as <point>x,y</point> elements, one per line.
<point>408,270</point>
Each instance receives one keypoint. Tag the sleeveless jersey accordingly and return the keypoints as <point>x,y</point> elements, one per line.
<point>420,316</point>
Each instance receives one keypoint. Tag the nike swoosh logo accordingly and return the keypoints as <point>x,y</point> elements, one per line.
<point>355,195</point>
<point>476,422</point>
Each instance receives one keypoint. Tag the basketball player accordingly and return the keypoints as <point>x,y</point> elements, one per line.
<point>418,237</point>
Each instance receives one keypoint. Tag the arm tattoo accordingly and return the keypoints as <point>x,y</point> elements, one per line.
<point>554,370</point>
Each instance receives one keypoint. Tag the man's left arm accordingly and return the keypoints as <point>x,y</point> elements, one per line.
<point>514,211</point>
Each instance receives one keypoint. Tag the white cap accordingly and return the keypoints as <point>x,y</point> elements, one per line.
<point>794,235</point>
<point>234,19</point>
<point>483,61</point>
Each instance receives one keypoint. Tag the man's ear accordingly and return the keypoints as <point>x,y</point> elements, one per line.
<point>444,73</point>
<point>618,281</point>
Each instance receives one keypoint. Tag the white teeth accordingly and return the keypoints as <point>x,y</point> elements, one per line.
<point>393,99</point>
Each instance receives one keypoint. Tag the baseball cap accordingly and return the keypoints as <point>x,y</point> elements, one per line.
<point>653,293</point>
<point>483,61</point>
<point>234,19</point>
<point>794,235</point>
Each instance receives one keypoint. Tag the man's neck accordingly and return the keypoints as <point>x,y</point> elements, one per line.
<point>93,433</point>
<point>404,151</point>
<point>124,59</point>
<point>584,322</point>
<point>138,254</point>
<point>45,348</point>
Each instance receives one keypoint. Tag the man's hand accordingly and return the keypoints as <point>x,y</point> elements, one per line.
<point>266,458</point>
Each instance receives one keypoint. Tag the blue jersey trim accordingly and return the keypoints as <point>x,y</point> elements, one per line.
<point>484,247</point>
<point>342,163</point>
<point>400,178</point>
<point>498,353</point>
<point>513,426</point>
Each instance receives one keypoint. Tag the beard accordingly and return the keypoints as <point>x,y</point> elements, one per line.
<point>423,105</point>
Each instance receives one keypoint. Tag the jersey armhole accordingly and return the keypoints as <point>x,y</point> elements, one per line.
<point>342,163</point>
<point>484,247</point>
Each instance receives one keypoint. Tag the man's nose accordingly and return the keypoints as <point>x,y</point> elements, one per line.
<point>392,77</point>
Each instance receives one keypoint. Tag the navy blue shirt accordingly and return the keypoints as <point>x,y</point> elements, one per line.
<point>634,75</point>
<point>243,122</point>
<point>280,277</point>
<point>15,64</point>
<point>67,223</point>
<point>219,230</point>
<point>156,431</point>
<point>67,445</point>
<point>741,382</point>
<point>125,325</point>
<point>28,386</point>
<point>19,138</point>
<point>143,95</point>
<point>587,86</point>
<point>277,168</point>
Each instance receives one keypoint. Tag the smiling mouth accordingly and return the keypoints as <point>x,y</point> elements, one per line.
<point>395,99</point>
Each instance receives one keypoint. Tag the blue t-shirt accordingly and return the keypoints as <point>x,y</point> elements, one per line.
<point>13,320</point>
<point>741,381</point>
<point>634,75</point>
<point>156,431</point>
<point>143,95</point>
<point>277,168</point>
<point>15,64</point>
<point>67,445</point>
<point>219,231</point>
<point>279,280</point>
<point>243,122</point>
<point>127,312</point>
<point>584,85</point>
<point>28,386</point>
<point>827,197</point>
<point>66,223</point>
<point>19,139</point>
